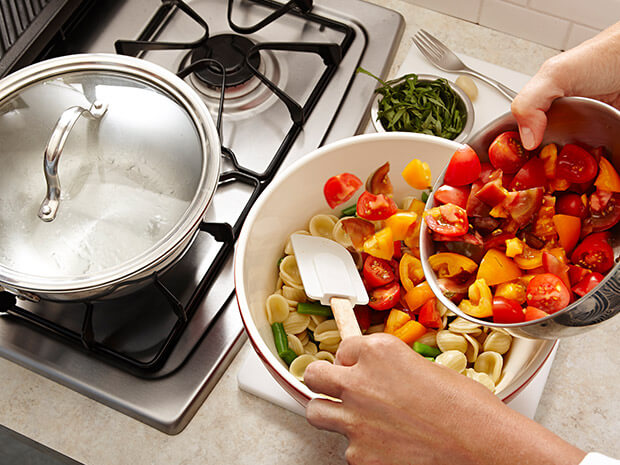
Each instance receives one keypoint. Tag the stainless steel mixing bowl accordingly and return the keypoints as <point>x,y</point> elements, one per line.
<point>570,120</point>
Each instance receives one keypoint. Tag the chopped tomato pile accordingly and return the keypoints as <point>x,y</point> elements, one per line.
<point>537,225</point>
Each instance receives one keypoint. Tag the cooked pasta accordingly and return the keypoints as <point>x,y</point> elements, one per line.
<point>295,323</point>
<point>298,366</point>
<point>277,308</point>
<point>490,363</point>
<point>497,342</point>
<point>452,359</point>
<point>322,225</point>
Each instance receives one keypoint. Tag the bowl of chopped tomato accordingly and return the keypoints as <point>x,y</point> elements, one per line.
<point>365,193</point>
<point>529,240</point>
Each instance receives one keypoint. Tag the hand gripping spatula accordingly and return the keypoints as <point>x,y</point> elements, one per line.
<point>329,275</point>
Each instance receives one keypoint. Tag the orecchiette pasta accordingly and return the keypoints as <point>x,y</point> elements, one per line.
<point>340,235</point>
<point>472,349</point>
<point>482,378</point>
<point>295,344</point>
<point>497,342</point>
<point>298,366</point>
<point>324,355</point>
<point>288,248</point>
<point>290,273</point>
<point>452,359</point>
<point>295,323</point>
<point>447,340</point>
<point>490,363</point>
<point>322,225</point>
<point>277,308</point>
<point>311,348</point>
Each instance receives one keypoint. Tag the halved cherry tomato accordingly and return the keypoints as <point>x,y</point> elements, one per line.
<point>496,268</point>
<point>553,265</point>
<point>507,153</point>
<point>375,207</point>
<point>377,272</point>
<point>587,284</point>
<point>455,195</point>
<point>571,204</point>
<point>576,164</point>
<point>568,228</point>
<point>532,174</point>
<point>362,314</point>
<point>339,189</point>
<point>507,311</point>
<point>547,292</point>
<point>524,204</point>
<point>379,181</point>
<point>533,313</point>
<point>608,216</point>
<point>448,220</point>
<point>464,167</point>
<point>429,315</point>
<point>594,253</point>
<point>384,297</point>
<point>608,178</point>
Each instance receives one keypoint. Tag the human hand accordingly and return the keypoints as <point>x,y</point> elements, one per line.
<point>592,69</point>
<point>399,408</point>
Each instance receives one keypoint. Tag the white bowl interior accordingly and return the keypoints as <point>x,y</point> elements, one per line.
<point>297,194</point>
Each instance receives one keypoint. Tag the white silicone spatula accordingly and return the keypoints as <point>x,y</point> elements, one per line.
<point>329,275</point>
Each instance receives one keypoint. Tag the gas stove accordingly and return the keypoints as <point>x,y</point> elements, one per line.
<point>290,85</point>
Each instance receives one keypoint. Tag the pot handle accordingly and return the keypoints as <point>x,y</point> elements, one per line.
<point>51,156</point>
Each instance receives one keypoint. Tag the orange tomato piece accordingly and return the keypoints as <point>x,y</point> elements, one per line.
<point>608,178</point>
<point>417,174</point>
<point>496,268</point>
<point>380,244</point>
<point>410,332</point>
<point>418,296</point>
<point>448,264</point>
<point>529,259</point>
<point>395,320</point>
<point>399,223</point>
<point>480,303</point>
<point>410,271</point>
<point>569,229</point>
<point>549,156</point>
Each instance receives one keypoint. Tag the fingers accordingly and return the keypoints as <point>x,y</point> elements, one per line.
<point>326,414</point>
<point>529,109</point>
<point>324,378</point>
<point>349,351</point>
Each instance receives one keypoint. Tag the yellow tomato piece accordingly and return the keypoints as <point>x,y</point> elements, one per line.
<point>418,296</point>
<point>412,238</point>
<point>448,264</point>
<point>549,156</point>
<point>499,211</point>
<point>608,178</point>
<point>480,303</point>
<point>496,268</point>
<point>417,174</point>
<point>514,290</point>
<point>380,244</point>
<point>569,229</point>
<point>514,247</point>
<point>416,206</point>
<point>529,259</point>
<point>410,271</point>
<point>395,320</point>
<point>410,332</point>
<point>399,223</point>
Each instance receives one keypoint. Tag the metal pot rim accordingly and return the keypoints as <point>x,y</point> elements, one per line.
<point>158,77</point>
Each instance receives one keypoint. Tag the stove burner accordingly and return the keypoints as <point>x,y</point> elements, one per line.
<point>230,50</point>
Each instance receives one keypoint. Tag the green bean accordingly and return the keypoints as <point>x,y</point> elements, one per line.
<point>425,350</point>
<point>279,337</point>
<point>350,210</point>
<point>308,308</point>
<point>288,356</point>
<point>431,359</point>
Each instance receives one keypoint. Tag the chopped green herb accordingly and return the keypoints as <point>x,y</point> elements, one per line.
<point>427,107</point>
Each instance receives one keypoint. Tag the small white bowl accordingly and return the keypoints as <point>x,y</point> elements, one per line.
<point>466,107</point>
<point>295,196</point>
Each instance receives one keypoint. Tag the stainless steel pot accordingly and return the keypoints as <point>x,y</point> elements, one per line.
<point>93,207</point>
<point>570,120</point>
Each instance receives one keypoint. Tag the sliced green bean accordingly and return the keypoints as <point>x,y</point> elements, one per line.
<point>425,350</point>
<point>308,308</point>
<point>279,337</point>
<point>350,210</point>
<point>288,356</point>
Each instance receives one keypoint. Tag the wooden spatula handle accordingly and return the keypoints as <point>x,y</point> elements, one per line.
<point>345,317</point>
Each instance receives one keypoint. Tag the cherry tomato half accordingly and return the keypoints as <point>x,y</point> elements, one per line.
<point>464,167</point>
<point>448,220</point>
<point>532,174</point>
<point>594,253</point>
<point>375,207</point>
<point>377,272</point>
<point>339,189</point>
<point>547,292</point>
<point>571,204</point>
<point>384,297</point>
<point>507,153</point>
<point>507,311</point>
<point>587,284</point>
<point>456,195</point>
<point>576,164</point>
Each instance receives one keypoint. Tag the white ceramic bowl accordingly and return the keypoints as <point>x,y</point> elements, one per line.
<point>295,196</point>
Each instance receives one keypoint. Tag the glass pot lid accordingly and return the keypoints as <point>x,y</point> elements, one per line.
<point>105,167</point>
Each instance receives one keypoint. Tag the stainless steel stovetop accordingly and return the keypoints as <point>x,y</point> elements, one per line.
<point>258,129</point>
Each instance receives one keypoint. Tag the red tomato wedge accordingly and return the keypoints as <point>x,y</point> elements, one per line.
<point>379,181</point>
<point>594,253</point>
<point>384,297</point>
<point>523,205</point>
<point>587,284</point>
<point>576,164</point>
<point>571,204</point>
<point>533,313</point>
<point>448,220</point>
<point>464,167</point>
<point>547,292</point>
<point>507,153</point>
<point>493,192</point>
<point>339,189</point>
<point>606,216</point>
<point>375,207</point>
<point>377,272</point>
<point>532,174</point>
<point>507,311</point>
<point>429,315</point>
<point>450,194</point>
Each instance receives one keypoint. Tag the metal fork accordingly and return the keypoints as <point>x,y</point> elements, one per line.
<point>444,58</point>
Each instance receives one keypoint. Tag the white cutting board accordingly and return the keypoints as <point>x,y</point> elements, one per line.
<point>254,378</point>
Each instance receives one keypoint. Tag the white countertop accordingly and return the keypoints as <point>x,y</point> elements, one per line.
<point>580,402</point>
